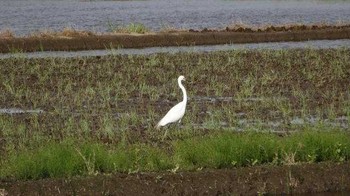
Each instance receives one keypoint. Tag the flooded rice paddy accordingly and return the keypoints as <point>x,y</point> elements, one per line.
<point>103,16</point>
<point>278,91</point>
<point>273,121</point>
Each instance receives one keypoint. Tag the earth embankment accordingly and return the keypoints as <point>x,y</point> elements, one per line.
<point>293,179</point>
<point>177,38</point>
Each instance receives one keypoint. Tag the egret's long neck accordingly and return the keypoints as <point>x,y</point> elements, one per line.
<point>183,91</point>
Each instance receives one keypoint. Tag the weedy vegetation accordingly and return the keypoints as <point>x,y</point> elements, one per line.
<point>219,150</point>
<point>129,28</point>
<point>245,108</point>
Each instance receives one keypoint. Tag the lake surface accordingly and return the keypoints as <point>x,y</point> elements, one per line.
<point>26,16</point>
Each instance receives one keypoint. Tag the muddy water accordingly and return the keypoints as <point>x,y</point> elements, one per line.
<point>24,17</point>
<point>272,45</point>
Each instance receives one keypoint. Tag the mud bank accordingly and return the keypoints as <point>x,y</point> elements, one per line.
<point>305,178</point>
<point>188,38</point>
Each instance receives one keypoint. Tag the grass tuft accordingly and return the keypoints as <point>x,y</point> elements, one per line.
<point>131,28</point>
<point>227,150</point>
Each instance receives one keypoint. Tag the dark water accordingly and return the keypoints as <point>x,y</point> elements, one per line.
<point>25,16</point>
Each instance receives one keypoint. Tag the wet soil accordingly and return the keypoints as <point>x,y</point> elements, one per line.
<point>312,72</point>
<point>179,38</point>
<point>294,179</point>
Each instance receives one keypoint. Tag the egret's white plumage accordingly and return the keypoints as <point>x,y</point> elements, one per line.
<point>176,113</point>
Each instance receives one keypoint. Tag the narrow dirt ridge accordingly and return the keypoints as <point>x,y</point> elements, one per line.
<point>294,179</point>
<point>188,38</point>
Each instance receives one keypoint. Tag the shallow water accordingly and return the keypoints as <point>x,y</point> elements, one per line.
<point>277,126</point>
<point>26,16</point>
<point>242,123</point>
<point>271,45</point>
<point>227,99</point>
<point>19,111</point>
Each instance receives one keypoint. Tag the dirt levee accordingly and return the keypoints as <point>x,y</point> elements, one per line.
<point>191,37</point>
<point>307,178</point>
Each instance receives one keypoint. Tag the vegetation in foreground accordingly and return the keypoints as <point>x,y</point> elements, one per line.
<point>110,105</point>
<point>217,150</point>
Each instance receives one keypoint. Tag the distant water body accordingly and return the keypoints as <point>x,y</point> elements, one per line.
<point>27,16</point>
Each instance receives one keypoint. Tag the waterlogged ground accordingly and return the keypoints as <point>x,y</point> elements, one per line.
<point>123,96</point>
<point>89,115</point>
<point>104,16</point>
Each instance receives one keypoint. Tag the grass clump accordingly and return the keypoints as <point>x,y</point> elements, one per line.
<point>56,160</point>
<point>227,150</point>
<point>131,28</point>
<point>319,146</point>
<point>68,158</point>
<point>6,34</point>
<point>253,148</point>
<point>218,150</point>
<point>139,157</point>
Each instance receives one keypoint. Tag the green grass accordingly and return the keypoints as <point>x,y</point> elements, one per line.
<point>129,28</point>
<point>227,150</point>
<point>217,150</point>
<point>252,148</point>
<point>70,158</point>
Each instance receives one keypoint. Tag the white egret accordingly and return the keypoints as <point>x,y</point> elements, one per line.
<point>176,113</point>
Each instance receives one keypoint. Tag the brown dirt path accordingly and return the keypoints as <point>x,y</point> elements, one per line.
<point>204,37</point>
<point>304,178</point>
